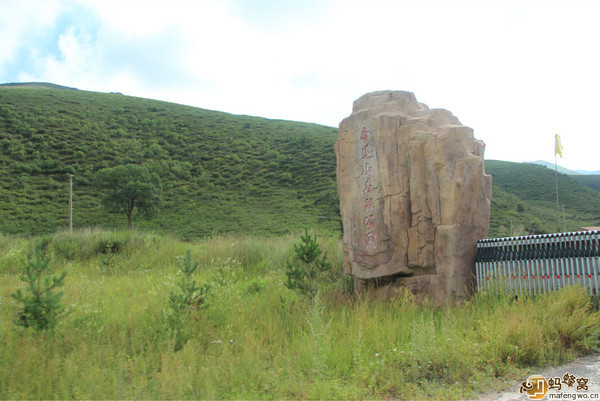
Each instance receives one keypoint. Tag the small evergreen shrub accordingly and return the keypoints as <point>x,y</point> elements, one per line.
<point>188,297</point>
<point>304,271</point>
<point>41,306</point>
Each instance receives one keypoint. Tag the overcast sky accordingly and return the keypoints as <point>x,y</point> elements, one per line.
<point>516,72</point>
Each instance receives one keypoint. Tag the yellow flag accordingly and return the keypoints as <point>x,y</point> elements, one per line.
<point>557,145</point>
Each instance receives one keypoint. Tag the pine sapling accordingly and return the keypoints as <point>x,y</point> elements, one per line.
<point>190,296</point>
<point>305,269</point>
<point>41,306</point>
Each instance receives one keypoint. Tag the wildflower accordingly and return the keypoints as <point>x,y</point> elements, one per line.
<point>376,355</point>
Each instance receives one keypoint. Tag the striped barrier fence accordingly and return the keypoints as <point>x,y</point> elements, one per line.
<point>540,263</point>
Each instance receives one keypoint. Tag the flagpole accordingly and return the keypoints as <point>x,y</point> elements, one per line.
<point>557,201</point>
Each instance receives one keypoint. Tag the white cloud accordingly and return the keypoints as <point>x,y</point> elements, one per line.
<point>517,72</point>
<point>21,23</point>
<point>73,65</point>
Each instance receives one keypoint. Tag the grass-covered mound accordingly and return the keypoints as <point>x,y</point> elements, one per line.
<point>256,339</point>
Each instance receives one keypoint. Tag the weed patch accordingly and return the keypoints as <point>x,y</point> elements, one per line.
<point>257,339</point>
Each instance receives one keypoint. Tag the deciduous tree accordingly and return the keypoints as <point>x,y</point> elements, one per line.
<point>129,188</point>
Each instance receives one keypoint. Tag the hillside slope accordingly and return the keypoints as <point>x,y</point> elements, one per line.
<point>525,196</point>
<point>552,167</point>
<point>37,85</point>
<point>590,181</point>
<point>221,172</point>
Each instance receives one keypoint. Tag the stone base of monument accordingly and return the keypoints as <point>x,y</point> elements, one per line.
<point>414,196</point>
<point>428,287</point>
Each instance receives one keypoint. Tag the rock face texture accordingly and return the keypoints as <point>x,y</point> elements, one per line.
<point>414,196</point>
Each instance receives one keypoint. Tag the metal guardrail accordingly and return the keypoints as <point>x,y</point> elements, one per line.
<point>540,263</point>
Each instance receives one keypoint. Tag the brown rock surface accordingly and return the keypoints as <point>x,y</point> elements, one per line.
<point>414,195</point>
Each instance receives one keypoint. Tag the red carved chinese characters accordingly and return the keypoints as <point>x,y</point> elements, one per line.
<point>369,221</point>
<point>370,240</point>
<point>368,189</point>
<point>367,170</point>
<point>364,135</point>
<point>366,153</point>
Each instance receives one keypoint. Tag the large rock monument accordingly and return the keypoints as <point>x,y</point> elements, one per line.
<point>414,196</point>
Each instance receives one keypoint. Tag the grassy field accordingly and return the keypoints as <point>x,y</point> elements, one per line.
<point>255,339</point>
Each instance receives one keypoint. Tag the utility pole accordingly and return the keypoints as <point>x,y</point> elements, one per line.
<point>70,203</point>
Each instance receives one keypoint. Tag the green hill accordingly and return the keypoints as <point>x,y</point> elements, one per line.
<point>552,167</point>
<point>524,196</point>
<point>37,85</point>
<point>221,172</point>
<point>590,181</point>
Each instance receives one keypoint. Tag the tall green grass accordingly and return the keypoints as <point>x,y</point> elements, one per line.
<point>258,340</point>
